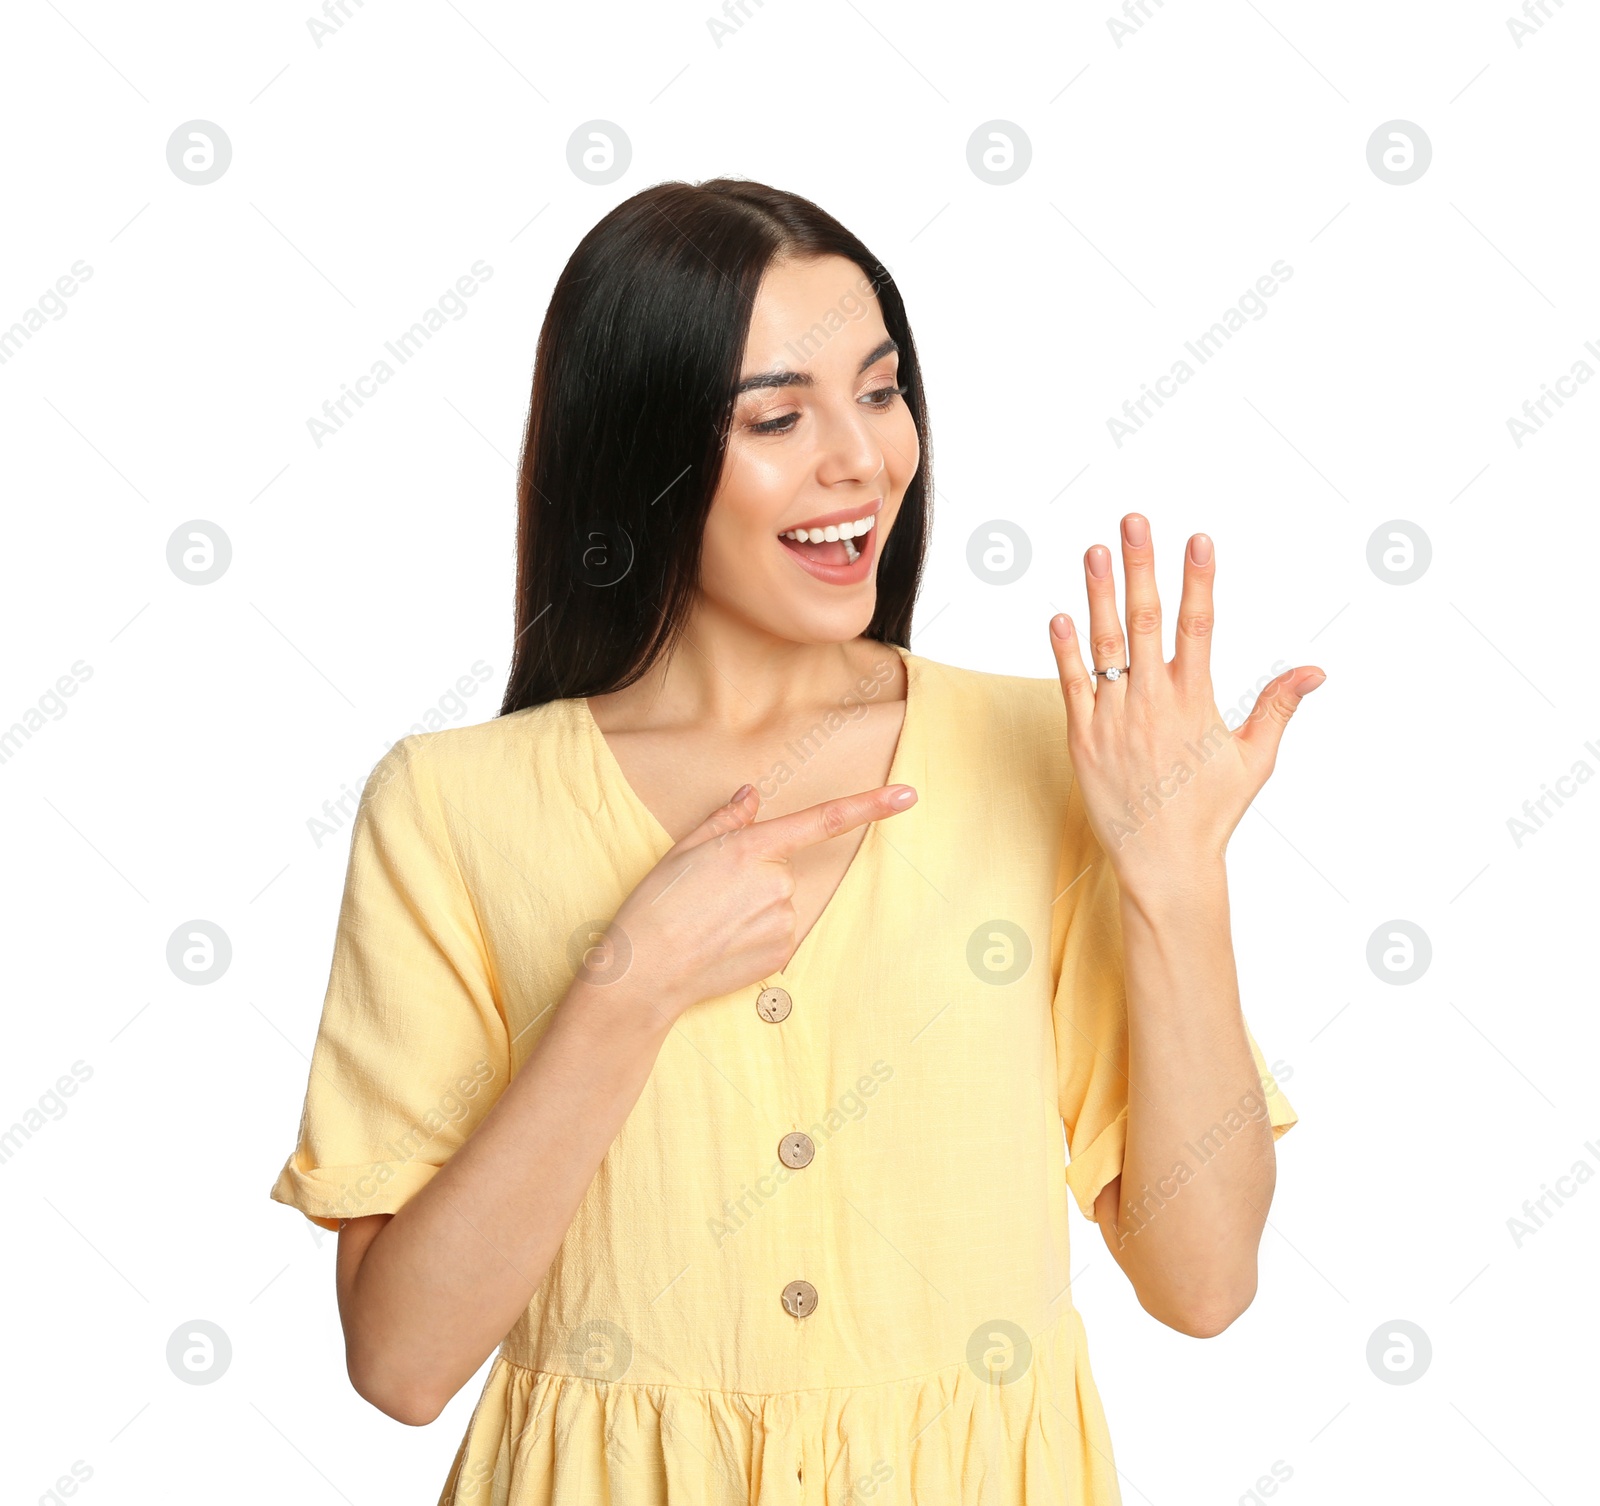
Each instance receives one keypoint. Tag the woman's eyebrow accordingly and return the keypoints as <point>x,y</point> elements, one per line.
<point>782,378</point>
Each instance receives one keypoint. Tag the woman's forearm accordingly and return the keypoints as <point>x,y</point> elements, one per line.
<point>1185,1218</point>
<point>443,1280</point>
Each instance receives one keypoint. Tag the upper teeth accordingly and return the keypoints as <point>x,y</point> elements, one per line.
<point>833,532</point>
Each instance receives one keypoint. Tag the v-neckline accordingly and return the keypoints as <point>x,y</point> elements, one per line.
<point>664,841</point>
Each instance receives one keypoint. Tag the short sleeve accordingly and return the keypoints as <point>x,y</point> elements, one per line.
<point>412,1049</point>
<point>1090,1020</point>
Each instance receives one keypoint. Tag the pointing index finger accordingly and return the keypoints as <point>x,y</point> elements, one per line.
<point>782,835</point>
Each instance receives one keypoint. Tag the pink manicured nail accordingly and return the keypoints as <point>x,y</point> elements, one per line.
<point>1099,562</point>
<point>1200,549</point>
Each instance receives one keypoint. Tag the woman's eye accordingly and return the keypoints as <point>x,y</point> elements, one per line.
<point>879,398</point>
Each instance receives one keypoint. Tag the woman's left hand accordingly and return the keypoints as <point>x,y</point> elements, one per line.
<point>1163,779</point>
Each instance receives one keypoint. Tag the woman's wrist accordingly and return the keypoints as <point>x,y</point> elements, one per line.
<point>1159,897</point>
<point>626,1007</point>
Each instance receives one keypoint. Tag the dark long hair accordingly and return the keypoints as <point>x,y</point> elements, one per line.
<point>633,390</point>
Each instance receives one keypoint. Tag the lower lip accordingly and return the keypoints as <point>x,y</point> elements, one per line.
<point>840,575</point>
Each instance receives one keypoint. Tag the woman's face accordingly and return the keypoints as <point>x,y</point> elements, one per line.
<point>821,437</point>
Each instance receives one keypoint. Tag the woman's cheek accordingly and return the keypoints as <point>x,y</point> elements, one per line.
<point>727,568</point>
<point>763,480</point>
<point>905,453</point>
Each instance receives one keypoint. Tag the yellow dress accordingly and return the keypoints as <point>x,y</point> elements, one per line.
<point>825,1261</point>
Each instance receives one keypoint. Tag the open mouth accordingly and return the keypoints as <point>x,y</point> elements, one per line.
<point>840,552</point>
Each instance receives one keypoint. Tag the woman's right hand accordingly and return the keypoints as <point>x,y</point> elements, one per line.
<point>716,913</point>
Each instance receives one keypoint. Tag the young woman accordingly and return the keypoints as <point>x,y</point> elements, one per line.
<point>702,1030</point>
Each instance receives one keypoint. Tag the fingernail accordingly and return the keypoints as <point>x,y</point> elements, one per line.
<point>903,796</point>
<point>1309,682</point>
<point>1099,562</point>
<point>1135,530</point>
<point>1061,626</point>
<point>740,793</point>
<point>1200,549</point>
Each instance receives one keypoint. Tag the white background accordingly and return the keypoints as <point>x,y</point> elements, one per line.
<point>368,575</point>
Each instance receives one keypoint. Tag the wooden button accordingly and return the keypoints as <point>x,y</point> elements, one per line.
<point>774,1004</point>
<point>799,1299</point>
<point>796,1149</point>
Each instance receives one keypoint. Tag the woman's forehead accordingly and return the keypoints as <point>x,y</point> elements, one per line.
<point>800,309</point>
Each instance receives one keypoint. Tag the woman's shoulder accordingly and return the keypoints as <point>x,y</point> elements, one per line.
<point>1003,723</point>
<point>517,760</point>
<point>476,747</point>
<point>991,695</point>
